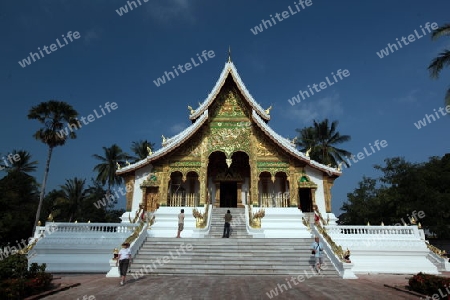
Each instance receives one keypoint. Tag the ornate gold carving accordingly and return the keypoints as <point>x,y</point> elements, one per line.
<point>129,184</point>
<point>327,184</point>
<point>152,179</point>
<point>229,140</point>
<point>305,182</point>
<point>230,105</point>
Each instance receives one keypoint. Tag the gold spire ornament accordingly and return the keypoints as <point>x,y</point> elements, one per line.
<point>368,224</point>
<point>117,166</point>
<point>229,54</point>
<point>268,110</point>
<point>192,111</point>
<point>163,139</point>
<point>149,151</point>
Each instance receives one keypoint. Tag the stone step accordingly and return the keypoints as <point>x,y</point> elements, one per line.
<point>227,257</point>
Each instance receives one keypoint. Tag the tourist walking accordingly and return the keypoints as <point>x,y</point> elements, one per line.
<point>124,261</point>
<point>316,250</point>
<point>180,223</point>
<point>226,228</point>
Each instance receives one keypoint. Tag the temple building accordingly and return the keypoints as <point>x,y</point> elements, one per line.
<point>228,157</point>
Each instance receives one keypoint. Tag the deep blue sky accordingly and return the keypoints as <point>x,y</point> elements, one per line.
<point>118,57</point>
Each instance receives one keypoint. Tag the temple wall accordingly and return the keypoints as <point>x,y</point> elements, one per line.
<point>317,177</point>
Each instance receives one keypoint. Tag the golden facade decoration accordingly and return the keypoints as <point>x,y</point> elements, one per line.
<point>152,179</point>
<point>185,167</point>
<point>305,182</point>
<point>129,183</point>
<point>193,147</point>
<point>229,137</point>
<point>327,184</point>
<point>273,167</point>
<point>230,105</point>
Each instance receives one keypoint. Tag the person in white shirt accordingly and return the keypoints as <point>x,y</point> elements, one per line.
<point>124,261</point>
<point>317,249</point>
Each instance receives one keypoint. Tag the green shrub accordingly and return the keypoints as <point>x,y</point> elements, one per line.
<point>428,284</point>
<point>18,281</point>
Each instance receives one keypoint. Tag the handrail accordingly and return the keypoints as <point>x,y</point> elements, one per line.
<point>436,250</point>
<point>255,218</point>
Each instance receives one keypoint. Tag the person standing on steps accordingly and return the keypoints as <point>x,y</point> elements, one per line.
<point>316,250</point>
<point>124,261</point>
<point>226,229</point>
<point>180,223</point>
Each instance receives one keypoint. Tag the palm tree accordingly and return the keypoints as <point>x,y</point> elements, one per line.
<point>320,140</point>
<point>52,115</point>
<point>107,168</point>
<point>24,164</point>
<point>443,60</point>
<point>73,195</point>
<point>140,149</point>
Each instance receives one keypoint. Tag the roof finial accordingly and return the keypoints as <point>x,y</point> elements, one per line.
<point>229,54</point>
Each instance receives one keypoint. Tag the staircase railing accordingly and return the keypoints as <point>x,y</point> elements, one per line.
<point>255,218</point>
<point>201,219</point>
<point>339,258</point>
<point>335,253</point>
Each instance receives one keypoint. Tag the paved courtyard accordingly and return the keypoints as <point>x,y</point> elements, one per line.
<point>231,287</point>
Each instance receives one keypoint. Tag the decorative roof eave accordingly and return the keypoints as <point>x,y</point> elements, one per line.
<point>229,68</point>
<point>287,145</point>
<point>174,143</point>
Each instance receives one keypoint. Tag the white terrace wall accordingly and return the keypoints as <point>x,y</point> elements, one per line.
<point>384,249</point>
<point>79,247</point>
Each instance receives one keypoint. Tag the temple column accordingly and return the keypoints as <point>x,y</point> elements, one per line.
<point>165,177</point>
<point>293,187</point>
<point>239,195</point>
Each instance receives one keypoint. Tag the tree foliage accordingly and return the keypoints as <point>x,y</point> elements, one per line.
<point>321,140</point>
<point>443,59</point>
<point>403,188</point>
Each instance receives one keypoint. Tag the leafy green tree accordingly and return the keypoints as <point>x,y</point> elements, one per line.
<point>24,164</point>
<point>321,140</point>
<point>18,200</point>
<point>140,149</point>
<point>403,188</point>
<point>53,115</point>
<point>108,166</point>
<point>443,59</point>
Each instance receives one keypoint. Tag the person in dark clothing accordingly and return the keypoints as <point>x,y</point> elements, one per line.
<point>226,228</point>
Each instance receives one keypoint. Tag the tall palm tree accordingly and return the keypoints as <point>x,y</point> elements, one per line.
<point>320,140</point>
<point>443,60</point>
<point>107,168</point>
<point>140,149</point>
<point>73,194</point>
<point>24,164</point>
<point>53,115</point>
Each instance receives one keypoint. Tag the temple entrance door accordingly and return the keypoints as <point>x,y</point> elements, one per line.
<point>152,198</point>
<point>228,194</point>
<point>305,200</point>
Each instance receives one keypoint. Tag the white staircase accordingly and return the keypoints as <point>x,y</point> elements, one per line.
<point>237,223</point>
<point>222,256</point>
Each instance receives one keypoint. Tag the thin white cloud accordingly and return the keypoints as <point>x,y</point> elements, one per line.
<point>168,10</point>
<point>91,35</point>
<point>310,109</point>
<point>177,128</point>
<point>411,97</point>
